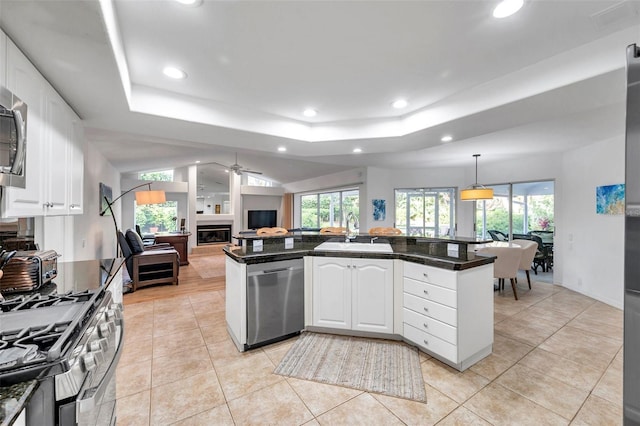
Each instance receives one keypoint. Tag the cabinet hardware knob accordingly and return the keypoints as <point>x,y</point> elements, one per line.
<point>425,325</point>
<point>426,342</point>
<point>426,309</point>
<point>425,275</point>
<point>426,292</point>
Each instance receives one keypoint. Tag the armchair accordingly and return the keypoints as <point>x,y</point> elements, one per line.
<point>150,266</point>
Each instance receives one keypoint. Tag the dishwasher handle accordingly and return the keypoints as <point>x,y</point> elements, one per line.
<point>274,271</point>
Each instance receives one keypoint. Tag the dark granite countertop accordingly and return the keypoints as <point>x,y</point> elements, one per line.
<point>13,399</point>
<point>432,252</point>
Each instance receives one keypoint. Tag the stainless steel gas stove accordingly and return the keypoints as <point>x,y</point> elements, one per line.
<point>70,343</point>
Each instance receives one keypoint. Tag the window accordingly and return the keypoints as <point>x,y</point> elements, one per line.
<point>154,218</point>
<point>518,208</point>
<point>257,181</point>
<point>426,212</point>
<point>164,176</point>
<point>328,208</point>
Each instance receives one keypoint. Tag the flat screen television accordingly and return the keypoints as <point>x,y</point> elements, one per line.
<point>262,219</point>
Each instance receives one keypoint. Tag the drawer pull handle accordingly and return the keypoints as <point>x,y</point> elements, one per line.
<point>425,275</point>
<point>426,325</point>
<point>426,342</point>
<point>426,292</point>
<point>426,309</point>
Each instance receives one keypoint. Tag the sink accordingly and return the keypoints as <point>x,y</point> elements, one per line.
<point>355,247</point>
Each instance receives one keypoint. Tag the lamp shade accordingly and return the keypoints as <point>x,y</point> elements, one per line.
<point>150,197</point>
<point>476,193</point>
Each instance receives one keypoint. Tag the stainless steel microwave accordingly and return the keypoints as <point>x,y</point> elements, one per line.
<point>13,139</point>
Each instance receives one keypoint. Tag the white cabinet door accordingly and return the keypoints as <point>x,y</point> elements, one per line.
<point>76,168</point>
<point>24,80</point>
<point>3,59</point>
<point>332,292</point>
<point>57,140</point>
<point>235,299</point>
<point>372,290</point>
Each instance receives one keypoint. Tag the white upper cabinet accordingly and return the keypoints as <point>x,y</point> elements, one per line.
<point>58,133</point>
<point>3,56</point>
<point>24,80</point>
<point>76,167</point>
<point>55,146</point>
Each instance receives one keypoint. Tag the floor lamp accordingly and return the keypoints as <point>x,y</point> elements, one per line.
<point>142,197</point>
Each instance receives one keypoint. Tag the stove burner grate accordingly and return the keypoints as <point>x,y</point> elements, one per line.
<point>37,300</point>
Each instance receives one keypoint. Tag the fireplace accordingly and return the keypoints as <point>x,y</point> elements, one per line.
<point>214,234</point>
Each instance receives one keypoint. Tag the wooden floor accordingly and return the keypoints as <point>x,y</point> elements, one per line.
<point>189,283</point>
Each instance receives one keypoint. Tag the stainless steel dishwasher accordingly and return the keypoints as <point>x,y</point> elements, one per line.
<point>275,301</point>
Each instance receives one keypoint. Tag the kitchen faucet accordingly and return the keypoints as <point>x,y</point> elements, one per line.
<point>349,216</point>
<point>373,239</point>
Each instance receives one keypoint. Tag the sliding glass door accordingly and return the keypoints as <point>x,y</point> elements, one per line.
<point>517,208</point>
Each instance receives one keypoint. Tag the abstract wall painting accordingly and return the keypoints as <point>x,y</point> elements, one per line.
<point>379,209</point>
<point>610,199</point>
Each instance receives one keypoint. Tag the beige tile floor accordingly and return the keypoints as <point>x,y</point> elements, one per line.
<point>557,359</point>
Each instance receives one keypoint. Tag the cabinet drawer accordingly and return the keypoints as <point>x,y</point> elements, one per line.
<point>431,326</point>
<point>430,274</point>
<point>431,292</point>
<point>431,343</point>
<point>434,310</point>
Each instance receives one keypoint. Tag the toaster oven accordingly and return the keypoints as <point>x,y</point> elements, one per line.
<point>29,270</point>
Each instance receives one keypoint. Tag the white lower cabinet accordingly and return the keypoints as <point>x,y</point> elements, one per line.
<point>353,294</point>
<point>449,314</point>
<point>235,300</point>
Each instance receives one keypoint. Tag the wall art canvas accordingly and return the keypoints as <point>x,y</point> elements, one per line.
<point>379,209</point>
<point>105,191</point>
<point>610,199</point>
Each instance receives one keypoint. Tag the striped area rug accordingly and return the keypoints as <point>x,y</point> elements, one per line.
<point>373,365</point>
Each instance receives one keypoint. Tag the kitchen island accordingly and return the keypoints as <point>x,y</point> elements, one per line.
<point>433,293</point>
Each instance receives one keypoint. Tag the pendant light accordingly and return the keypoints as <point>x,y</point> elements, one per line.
<point>476,191</point>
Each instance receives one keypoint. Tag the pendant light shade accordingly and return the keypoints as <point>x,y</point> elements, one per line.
<point>476,191</point>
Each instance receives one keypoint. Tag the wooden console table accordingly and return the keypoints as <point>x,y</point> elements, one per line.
<point>179,241</point>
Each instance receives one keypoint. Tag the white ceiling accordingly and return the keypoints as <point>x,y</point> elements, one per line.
<point>548,79</point>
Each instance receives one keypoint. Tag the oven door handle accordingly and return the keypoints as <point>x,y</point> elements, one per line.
<point>89,403</point>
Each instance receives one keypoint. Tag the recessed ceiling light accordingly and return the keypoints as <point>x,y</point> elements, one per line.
<point>399,104</point>
<point>507,8</point>
<point>309,112</point>
<point>197,161</point>
<point>357,150</point>
<point>226,171</point>
<point>173,72</point>
<point>282,149</point>
<point>447,138</point>
<point>190,2</point>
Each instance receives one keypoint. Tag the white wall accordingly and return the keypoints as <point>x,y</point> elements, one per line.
<point>592,245</point>
<point>93,235</point>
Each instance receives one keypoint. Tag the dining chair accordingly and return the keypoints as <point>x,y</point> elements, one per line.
<point>497,235</point>
<point>506,264</point>
<point>529,249</point>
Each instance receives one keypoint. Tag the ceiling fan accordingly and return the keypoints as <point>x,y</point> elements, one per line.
<point>237,168</point>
